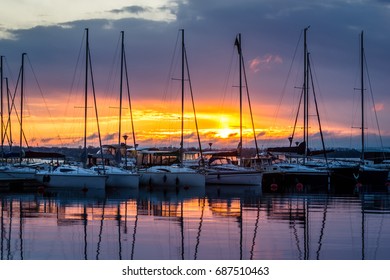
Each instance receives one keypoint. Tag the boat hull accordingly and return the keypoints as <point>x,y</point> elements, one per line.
<point>13,173</point>
<point>234,178</point>
<point>295,181</point>
<point>122,180</point>
<point>73,181</point>
<point>168,179</point>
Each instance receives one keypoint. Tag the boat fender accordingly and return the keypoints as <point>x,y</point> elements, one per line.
<point>299,187</point>
<point>150,181</point>
<point>177,180</point>
<point>274,187</point>
<point>165,178</point>
<point>219,176</point>
<point>358,187</point>
<point>46,178</point>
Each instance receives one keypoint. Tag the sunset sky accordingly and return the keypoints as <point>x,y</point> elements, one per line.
<point>52,33</point>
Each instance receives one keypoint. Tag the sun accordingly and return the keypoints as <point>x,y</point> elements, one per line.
<point>225,131</point>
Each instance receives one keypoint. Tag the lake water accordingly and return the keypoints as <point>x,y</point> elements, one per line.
<point>211,223</point>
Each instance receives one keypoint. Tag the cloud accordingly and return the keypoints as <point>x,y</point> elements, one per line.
<point>379,107</point>
<point>266,61</point>
<point>131,9</point>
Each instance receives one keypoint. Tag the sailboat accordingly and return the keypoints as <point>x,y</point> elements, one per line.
<point>19,171</point>
<point>166,168</point>
<point>349,176</point>
<point>290,169</point>
<point>74,176</point>
<point>224,168</point>
<point>118,177</point>
<point>368,175</point>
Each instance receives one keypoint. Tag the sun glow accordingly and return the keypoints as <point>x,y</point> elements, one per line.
<point>226,128</point>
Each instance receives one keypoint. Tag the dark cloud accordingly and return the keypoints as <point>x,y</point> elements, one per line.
<point>269,29</point>
<point>131,9</point>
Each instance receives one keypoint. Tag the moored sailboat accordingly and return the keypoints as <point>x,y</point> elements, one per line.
<point>165,168</point>
<point>219,166</point>
<point>118,177</point>
<point>359,174</point>
<point>71,176</point>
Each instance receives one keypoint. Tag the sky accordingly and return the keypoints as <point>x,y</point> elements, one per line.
<point>52,33</point>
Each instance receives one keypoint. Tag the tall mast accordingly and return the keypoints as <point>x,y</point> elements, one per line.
<point>9,108</point>
<point>21,105</point>
<point>305,93</point>
<point>86,94</point>
<point>121,90</point>
<point>237,43</point>
<point>240,73</point>
<point>182,95</point>
<point>362,90</point>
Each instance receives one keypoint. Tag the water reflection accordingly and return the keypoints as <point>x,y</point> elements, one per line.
<point>216,222</point>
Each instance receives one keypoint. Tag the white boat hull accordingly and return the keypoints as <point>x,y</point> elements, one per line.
<point>234,178</point>
<point>72,181</point>
<point>14,173</point>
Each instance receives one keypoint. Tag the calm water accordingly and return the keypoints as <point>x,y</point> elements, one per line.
<point>212,223</point>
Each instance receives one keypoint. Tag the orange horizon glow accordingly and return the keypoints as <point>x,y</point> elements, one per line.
<point>155,124</point>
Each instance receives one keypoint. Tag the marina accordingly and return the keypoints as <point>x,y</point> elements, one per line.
<point>171,144</point>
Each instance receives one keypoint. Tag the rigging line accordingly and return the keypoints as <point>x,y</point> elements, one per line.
<point>250,107</point>
<point>41,92</point>
<point>373,102</point>
<point>96,110</point>
<point>129,99</point>
<point>8,124</point>
<point>227,80</point>
<point>14,106</point>
<point>296,118</point>
<point>171,67</point>
<point>75,72</point>
<point>312,69</point>
<point>318,114</point>
<point>193,106</point>
<point>288,75</point>
<point>113,70</point>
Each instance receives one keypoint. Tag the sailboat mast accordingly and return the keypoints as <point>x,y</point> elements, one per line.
<point>237,43</point>
<point>86,94</point>
<point>362,90</point>
<point>121,90</point>
<point>305,93</point>
<point>21,105</point>
<point>9,107</point>
<point>182,94</point>
<point>240,76</point>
